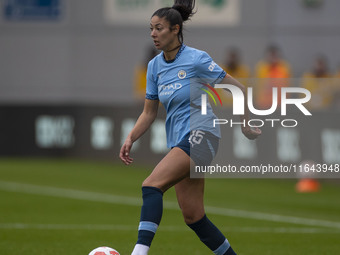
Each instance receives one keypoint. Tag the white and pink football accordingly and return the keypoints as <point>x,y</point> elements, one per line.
<point>104,251</point>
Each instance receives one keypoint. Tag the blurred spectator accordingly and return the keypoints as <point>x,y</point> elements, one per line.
<point>140,73</point>
<point>318,82</point>
<point>337,73</point>
<point>233,66</point>
<point>336,87</point>
<point>273,71</point>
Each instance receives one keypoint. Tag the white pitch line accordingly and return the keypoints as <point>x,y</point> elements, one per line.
<point>110,227</point>
<point>133,201</point>
<point>69,193</point>
<point>272,217</point>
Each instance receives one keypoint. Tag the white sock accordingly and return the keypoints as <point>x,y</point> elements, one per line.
<point>140,249</point>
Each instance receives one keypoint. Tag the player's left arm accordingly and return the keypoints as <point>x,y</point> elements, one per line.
<point>250,132</point>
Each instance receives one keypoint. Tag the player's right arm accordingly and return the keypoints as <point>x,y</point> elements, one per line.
<point>143,123</point>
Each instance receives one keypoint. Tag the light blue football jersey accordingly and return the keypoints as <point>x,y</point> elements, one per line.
<point>177,85</point>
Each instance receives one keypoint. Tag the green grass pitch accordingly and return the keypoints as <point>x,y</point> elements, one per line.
<point>56,207</point>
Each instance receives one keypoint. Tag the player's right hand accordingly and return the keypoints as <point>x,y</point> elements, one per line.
<point>125,152</point>
<point>251,133</point>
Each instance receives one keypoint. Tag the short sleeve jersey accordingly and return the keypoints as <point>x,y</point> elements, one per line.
<point>171,82</point>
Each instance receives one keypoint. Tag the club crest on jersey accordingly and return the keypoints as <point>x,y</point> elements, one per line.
<point>182,74</point>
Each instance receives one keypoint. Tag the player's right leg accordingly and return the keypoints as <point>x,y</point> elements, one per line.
<point>174,167</point>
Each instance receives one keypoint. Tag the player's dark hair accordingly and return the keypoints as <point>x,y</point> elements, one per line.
<point>180,12</point>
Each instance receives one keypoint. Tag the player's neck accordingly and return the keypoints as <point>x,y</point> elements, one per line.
<point>171,52</point>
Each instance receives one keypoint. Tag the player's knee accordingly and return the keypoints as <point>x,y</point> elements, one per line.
<point>191,216</point>
<point>149,182</point>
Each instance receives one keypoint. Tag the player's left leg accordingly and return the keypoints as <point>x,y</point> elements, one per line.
<point>190,194</point>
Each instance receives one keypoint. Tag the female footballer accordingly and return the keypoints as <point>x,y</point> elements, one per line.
<point>169,79</point>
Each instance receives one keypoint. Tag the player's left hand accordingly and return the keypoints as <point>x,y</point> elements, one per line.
<point>251,132</point>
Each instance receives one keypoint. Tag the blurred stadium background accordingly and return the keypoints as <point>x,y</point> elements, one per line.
<point>71,88</point>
